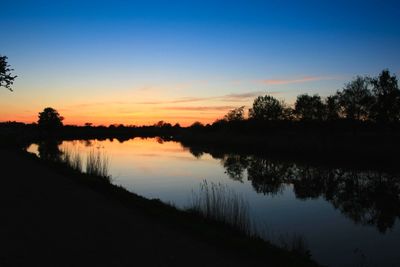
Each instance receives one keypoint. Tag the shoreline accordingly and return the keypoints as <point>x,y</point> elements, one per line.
<point>192,226</point>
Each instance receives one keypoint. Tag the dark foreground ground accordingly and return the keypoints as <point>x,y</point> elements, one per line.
<point>48,219</point>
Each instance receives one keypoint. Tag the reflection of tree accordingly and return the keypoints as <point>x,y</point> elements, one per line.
<point>48,149</point>
<point>369,198</point>
<point>87,143</point>
<point>308,182</point>
<point>266,176</point>
<point>235,165</point>
<point>196,152</point>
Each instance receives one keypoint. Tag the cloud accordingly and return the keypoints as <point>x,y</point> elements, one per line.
<point>244,96</point>
<point>200,108</point>
<point>290,81</point>
<point>232,98</point>
<point>175,101</point>
<point>191,99</point>
<point>225,98</point>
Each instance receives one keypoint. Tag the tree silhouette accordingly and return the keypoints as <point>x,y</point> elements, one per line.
<point>50,119</point>
<point>196,125</point>
<point>332,107</point>
<point>267,108</point>
<point>387,98</point>
<point>356,99</point>
<point>309,107</point>
<point>236,114</point>
<point>6,78</point>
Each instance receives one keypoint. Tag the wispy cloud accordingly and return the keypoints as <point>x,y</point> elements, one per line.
<point>200,108</point>
<point>297,80</point>
<point>190,99</point>
<point>244,96</point>
<point>175,101</point>
<point>228,98</point>
<point>225,98</point>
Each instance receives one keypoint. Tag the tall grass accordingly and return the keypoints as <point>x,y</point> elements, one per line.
<point>217,202</point>
<point>72,159</point>
<point>97,164</point>
<point>295,243</point>
<point>220,203</point>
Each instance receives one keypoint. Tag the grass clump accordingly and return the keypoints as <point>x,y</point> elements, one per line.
<point>97,164</point>
<point>220,203</point>
<point>295,243</point>
<point>72,159</point>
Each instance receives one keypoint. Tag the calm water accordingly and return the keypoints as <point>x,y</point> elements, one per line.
<point>348,218</point>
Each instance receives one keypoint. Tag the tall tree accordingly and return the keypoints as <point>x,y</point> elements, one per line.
<point>50,119</point>
<point>387,98</point>
<point>236,114</point>
<point>267,108</point>
<point>6,78</point>
<point>332,107</point>
<point>356,99</point>
<point>309,107</point>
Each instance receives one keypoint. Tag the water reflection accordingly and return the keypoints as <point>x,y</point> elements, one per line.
<point>49,149</point>
<point>329,206</point>
<point>367,197</point>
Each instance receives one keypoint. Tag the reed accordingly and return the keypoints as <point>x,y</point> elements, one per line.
<point>97,164</point>
<point>72,158</point>
<point>220,203</point>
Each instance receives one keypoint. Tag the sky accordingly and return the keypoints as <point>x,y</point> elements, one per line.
<point>139,62</point>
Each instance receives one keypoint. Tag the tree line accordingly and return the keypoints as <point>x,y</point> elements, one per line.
<point>375,99</point>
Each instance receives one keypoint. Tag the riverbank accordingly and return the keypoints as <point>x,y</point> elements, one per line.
<point>55,217</point>
<point>363,144</point>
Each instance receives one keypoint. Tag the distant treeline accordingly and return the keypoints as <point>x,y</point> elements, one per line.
<point>359,123</point>
<point>362,102</point>
<point>372,99</point>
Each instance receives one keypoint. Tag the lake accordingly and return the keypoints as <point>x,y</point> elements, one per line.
<point>347,217</point>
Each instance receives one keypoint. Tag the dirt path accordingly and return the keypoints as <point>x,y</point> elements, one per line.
<point>49,220</point>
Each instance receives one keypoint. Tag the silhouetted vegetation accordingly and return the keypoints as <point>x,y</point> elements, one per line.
<point>206,228</point>
<point>367,197</point>
<point>220,203</point>
<point>294,243</point>
<point>359,124</point>
<point>356,99</point>
<point>267,108</point>
<point>386,104</point>
<point>309,107</point>
<point>6,77</point>
<point>236,114</point>
<point>50,119</point>
<point>363,99</point>
<point>72,159</point>
<point>97,164</point>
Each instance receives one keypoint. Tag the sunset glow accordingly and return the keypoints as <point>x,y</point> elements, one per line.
<point>139,63</point>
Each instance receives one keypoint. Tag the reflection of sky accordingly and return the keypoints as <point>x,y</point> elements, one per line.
<point>137,62</point>
<point>170,173</point>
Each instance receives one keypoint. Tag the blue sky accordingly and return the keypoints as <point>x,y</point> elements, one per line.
<point>138,62</point>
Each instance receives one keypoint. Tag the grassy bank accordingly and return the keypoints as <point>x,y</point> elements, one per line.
<point>193,223</point>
